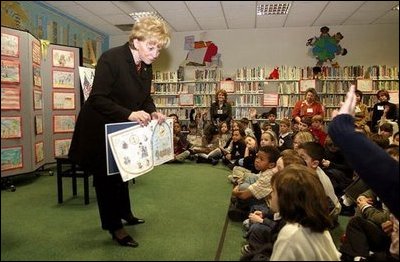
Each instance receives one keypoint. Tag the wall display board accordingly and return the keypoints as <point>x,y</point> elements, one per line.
<point>32,97</point>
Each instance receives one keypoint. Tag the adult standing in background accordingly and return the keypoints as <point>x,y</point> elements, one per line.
<point>310,106</point>
<point>120,93</point>
<point>221,109</point>
<point>378,109</point>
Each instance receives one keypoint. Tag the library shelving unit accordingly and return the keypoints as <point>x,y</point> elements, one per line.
<point>251,88</point>
<point>173,95</point>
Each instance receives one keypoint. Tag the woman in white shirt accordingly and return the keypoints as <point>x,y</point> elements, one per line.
<point>298,196</point>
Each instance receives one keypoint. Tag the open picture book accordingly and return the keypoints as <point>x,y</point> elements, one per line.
<point>133,150</point>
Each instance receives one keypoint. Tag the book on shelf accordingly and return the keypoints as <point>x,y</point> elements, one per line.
<point>134,150</point>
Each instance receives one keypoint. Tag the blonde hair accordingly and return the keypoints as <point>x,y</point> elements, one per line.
<point>152,29</point>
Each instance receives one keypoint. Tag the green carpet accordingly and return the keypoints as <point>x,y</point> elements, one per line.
<point>184,206</point>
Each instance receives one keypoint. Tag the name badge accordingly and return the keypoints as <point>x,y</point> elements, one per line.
<point>310,110</point>
<point>220,111</point>
<point>381,107</point>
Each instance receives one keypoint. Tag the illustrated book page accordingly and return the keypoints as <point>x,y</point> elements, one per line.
<point>138,149</point>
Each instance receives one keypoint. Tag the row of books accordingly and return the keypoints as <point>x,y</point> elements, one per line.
<point>296,73</point>
<point>178,100</point>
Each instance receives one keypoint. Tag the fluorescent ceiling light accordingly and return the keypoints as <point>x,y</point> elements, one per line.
<point>137,15</point>
<point>273,9</point>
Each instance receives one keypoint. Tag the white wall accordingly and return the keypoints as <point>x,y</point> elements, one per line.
<point>366,45</point>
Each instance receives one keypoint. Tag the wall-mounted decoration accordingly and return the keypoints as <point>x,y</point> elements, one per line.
<point>10,71</point>
<point>38,124</point>
<point>270,99</point>
<point>37,76</point>
<point>63,123</point>
<point>228,86</point>
<point>63,58</point>
<point>63,100</point>
<point>39,152</point>
<point>326,47</point>
<point>10,98</point>
<point>9,45</point>
<point>63,79</point>
<point>37,99</point>
<point>11,127</point>
<point>36,54</point>
<point>11,158</point>
<point>61,147</point>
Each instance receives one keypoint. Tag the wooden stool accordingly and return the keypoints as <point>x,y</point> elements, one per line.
<point>72,170</point>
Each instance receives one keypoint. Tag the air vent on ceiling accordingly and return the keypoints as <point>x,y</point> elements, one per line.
<point>125,27</point>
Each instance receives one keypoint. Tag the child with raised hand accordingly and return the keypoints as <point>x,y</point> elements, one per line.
<point>298,196</point>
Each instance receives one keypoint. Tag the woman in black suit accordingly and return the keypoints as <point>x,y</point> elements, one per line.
<point>120,93</point>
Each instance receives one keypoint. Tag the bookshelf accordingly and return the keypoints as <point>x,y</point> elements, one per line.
<point>175,95</point>
<point>252,88</point>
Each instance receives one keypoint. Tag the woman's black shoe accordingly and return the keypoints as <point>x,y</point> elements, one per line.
<point>133,221</point>
<point>127,241</point>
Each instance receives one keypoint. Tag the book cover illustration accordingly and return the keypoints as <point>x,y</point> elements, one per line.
<point>138,149</point>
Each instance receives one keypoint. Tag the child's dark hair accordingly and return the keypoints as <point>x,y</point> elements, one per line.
<point>272,152</point>
<point>314,149</point>
<point>380,140</point>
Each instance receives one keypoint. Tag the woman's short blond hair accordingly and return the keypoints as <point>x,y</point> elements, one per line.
<point>150,29</point>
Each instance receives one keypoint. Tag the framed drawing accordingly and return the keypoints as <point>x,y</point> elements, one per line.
<point>306,84</point>
<point>270,100</point>
<point>37,99</point>
<point>364,85</point>
<point>36,54</point>
<point>186,99</point>
<point>10,98</point>
<point>63,58</point>
<point>61,146</point>
<point>63,123</point>
<point>39,152</point>
<point>9,45</point>
<point>63,79</point>
<point>63,100</point>
<point>10,71</point>
<point>228,86</point>
<point>11,158</point>
<point>38,124</point>
<point>37,76</point>
<point>11,127</point>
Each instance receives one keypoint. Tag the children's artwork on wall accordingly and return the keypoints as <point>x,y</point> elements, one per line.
<point>10,98</point>
<point>9,45</point>
<point>11,158</point>
<point>38,124</point>
<point>325,48</point>
<point>10,71</point>
<point>11,127</point>
<point>36,54</point>
<point>63,79</point>
<point>64,123</point>
<point>63,100</point>
<point>63,58</point>
<point>39,152</point>
<point>37,77</point>
<point>61,147</point>
<point>37,99</point>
